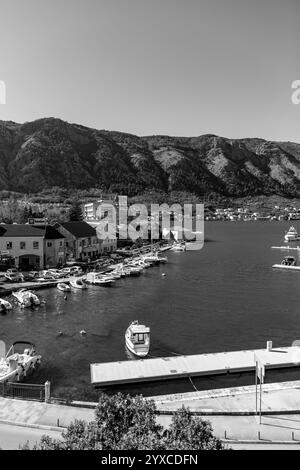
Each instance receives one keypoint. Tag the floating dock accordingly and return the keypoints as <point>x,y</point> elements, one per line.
<point>165,368</point>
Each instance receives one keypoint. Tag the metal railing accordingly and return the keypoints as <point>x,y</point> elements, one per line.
<point>24,391</point>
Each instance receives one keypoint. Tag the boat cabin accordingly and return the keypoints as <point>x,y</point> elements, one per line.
<point>139,334</point>
<point>289,261</point>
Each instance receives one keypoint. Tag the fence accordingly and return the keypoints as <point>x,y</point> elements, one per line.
<point>25,391</point>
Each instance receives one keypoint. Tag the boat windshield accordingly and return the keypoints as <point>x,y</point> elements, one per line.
<point>140,337</point>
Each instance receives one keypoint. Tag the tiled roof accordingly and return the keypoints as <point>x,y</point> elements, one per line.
<point>26,230</point>
<point>79,229</point>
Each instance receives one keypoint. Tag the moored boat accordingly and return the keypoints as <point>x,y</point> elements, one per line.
<point>5,306</point>
<point>137,338</point>
<point>20,359</point>
<point>291,235</point>
<point>289,262</point>
<point>178,247</point>
<point>26,298</point>
<point>62,286</point>
<point>98,279</point>
<point>78,283</point>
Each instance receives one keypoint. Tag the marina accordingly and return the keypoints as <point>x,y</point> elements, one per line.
<point>166,368</point>
<point>176,300</point>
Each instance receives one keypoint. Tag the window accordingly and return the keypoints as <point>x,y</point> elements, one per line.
<point>35,245</point>
<point>49,244</point>
<point>8,245</point>
<point>22,245</point>
<point>89,241</point>
<point>60,243</point>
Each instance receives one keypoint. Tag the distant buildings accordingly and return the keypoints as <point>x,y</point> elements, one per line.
<point>32,246</point>
<point>96,211</point>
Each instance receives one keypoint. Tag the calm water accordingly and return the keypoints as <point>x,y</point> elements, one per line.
<point>222,298</point>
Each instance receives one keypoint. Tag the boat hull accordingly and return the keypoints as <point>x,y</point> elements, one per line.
<point>139,350</point>
<point>283,266</point>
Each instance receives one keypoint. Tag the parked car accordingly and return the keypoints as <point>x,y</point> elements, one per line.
<point>13,275</point>
<point>72,271</point>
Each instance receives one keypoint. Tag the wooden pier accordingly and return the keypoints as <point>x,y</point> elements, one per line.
<point>165,368</point>
<point>9,287</point>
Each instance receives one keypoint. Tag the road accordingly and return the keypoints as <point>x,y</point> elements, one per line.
<point>11,437</point>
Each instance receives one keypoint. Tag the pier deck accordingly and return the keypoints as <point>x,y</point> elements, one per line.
<point>9,287</point>
<point>165,368</point>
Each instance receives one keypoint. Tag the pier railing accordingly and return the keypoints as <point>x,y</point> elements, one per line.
<point>23,391</point>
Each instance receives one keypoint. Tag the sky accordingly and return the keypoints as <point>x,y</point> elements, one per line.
<point>176,67</point>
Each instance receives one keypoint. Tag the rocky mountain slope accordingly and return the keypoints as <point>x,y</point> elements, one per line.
<point>50,152</point>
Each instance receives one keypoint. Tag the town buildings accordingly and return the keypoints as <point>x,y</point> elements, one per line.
<point>32,246</point>
<point>96,211</point>
<point>81,238</point>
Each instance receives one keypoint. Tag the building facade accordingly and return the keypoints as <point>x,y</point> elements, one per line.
<point>32,246</point>
<point>81,240</point>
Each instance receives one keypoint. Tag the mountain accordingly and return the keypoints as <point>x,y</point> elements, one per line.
<point>50,152</point>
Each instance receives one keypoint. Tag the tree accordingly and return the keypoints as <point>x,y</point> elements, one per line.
<point>123,422</point>
<point>187,432</point>
<point>75,212</point>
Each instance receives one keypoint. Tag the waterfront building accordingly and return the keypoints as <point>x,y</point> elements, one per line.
<point>82,242</point>
<point>32,246</point>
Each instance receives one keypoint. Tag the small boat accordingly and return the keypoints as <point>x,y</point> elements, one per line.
<point>20,359</point>
<point>26,298</point>
<point>98,279</point>
<point>155,258</point>
<point>5,305</point>
<point>78,283</point>
<point>289,262</point>
<point>137,338</point>
<point>291,235</point>
<point>62,286</point>
<point>178,247</point>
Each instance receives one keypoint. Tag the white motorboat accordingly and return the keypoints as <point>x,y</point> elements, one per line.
<point>178,247</point>
<point>288,262</point>
<point>62,286</point>
<point>4,306</point>
<point>137,338</point>
<point>291,235</point>
<point>26,298</point>
<point>78,283</point>
<point>98,279</point>
<point>20,359</point>
<point>155,258</point>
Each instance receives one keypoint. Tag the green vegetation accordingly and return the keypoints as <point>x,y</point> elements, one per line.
<point>75,211</point>
<point>130,423</point>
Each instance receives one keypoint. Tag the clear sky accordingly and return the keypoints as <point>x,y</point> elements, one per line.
<point>177,67</point>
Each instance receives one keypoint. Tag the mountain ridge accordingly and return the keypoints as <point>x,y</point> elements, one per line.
<point>51,152</point>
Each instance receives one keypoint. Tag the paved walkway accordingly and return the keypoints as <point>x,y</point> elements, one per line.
<point>277,397</point>
<point>283,428</point>
<point>41,414</point>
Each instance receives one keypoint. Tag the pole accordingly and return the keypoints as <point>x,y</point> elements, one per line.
<point>260,397</point>
<point>256,387</point>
